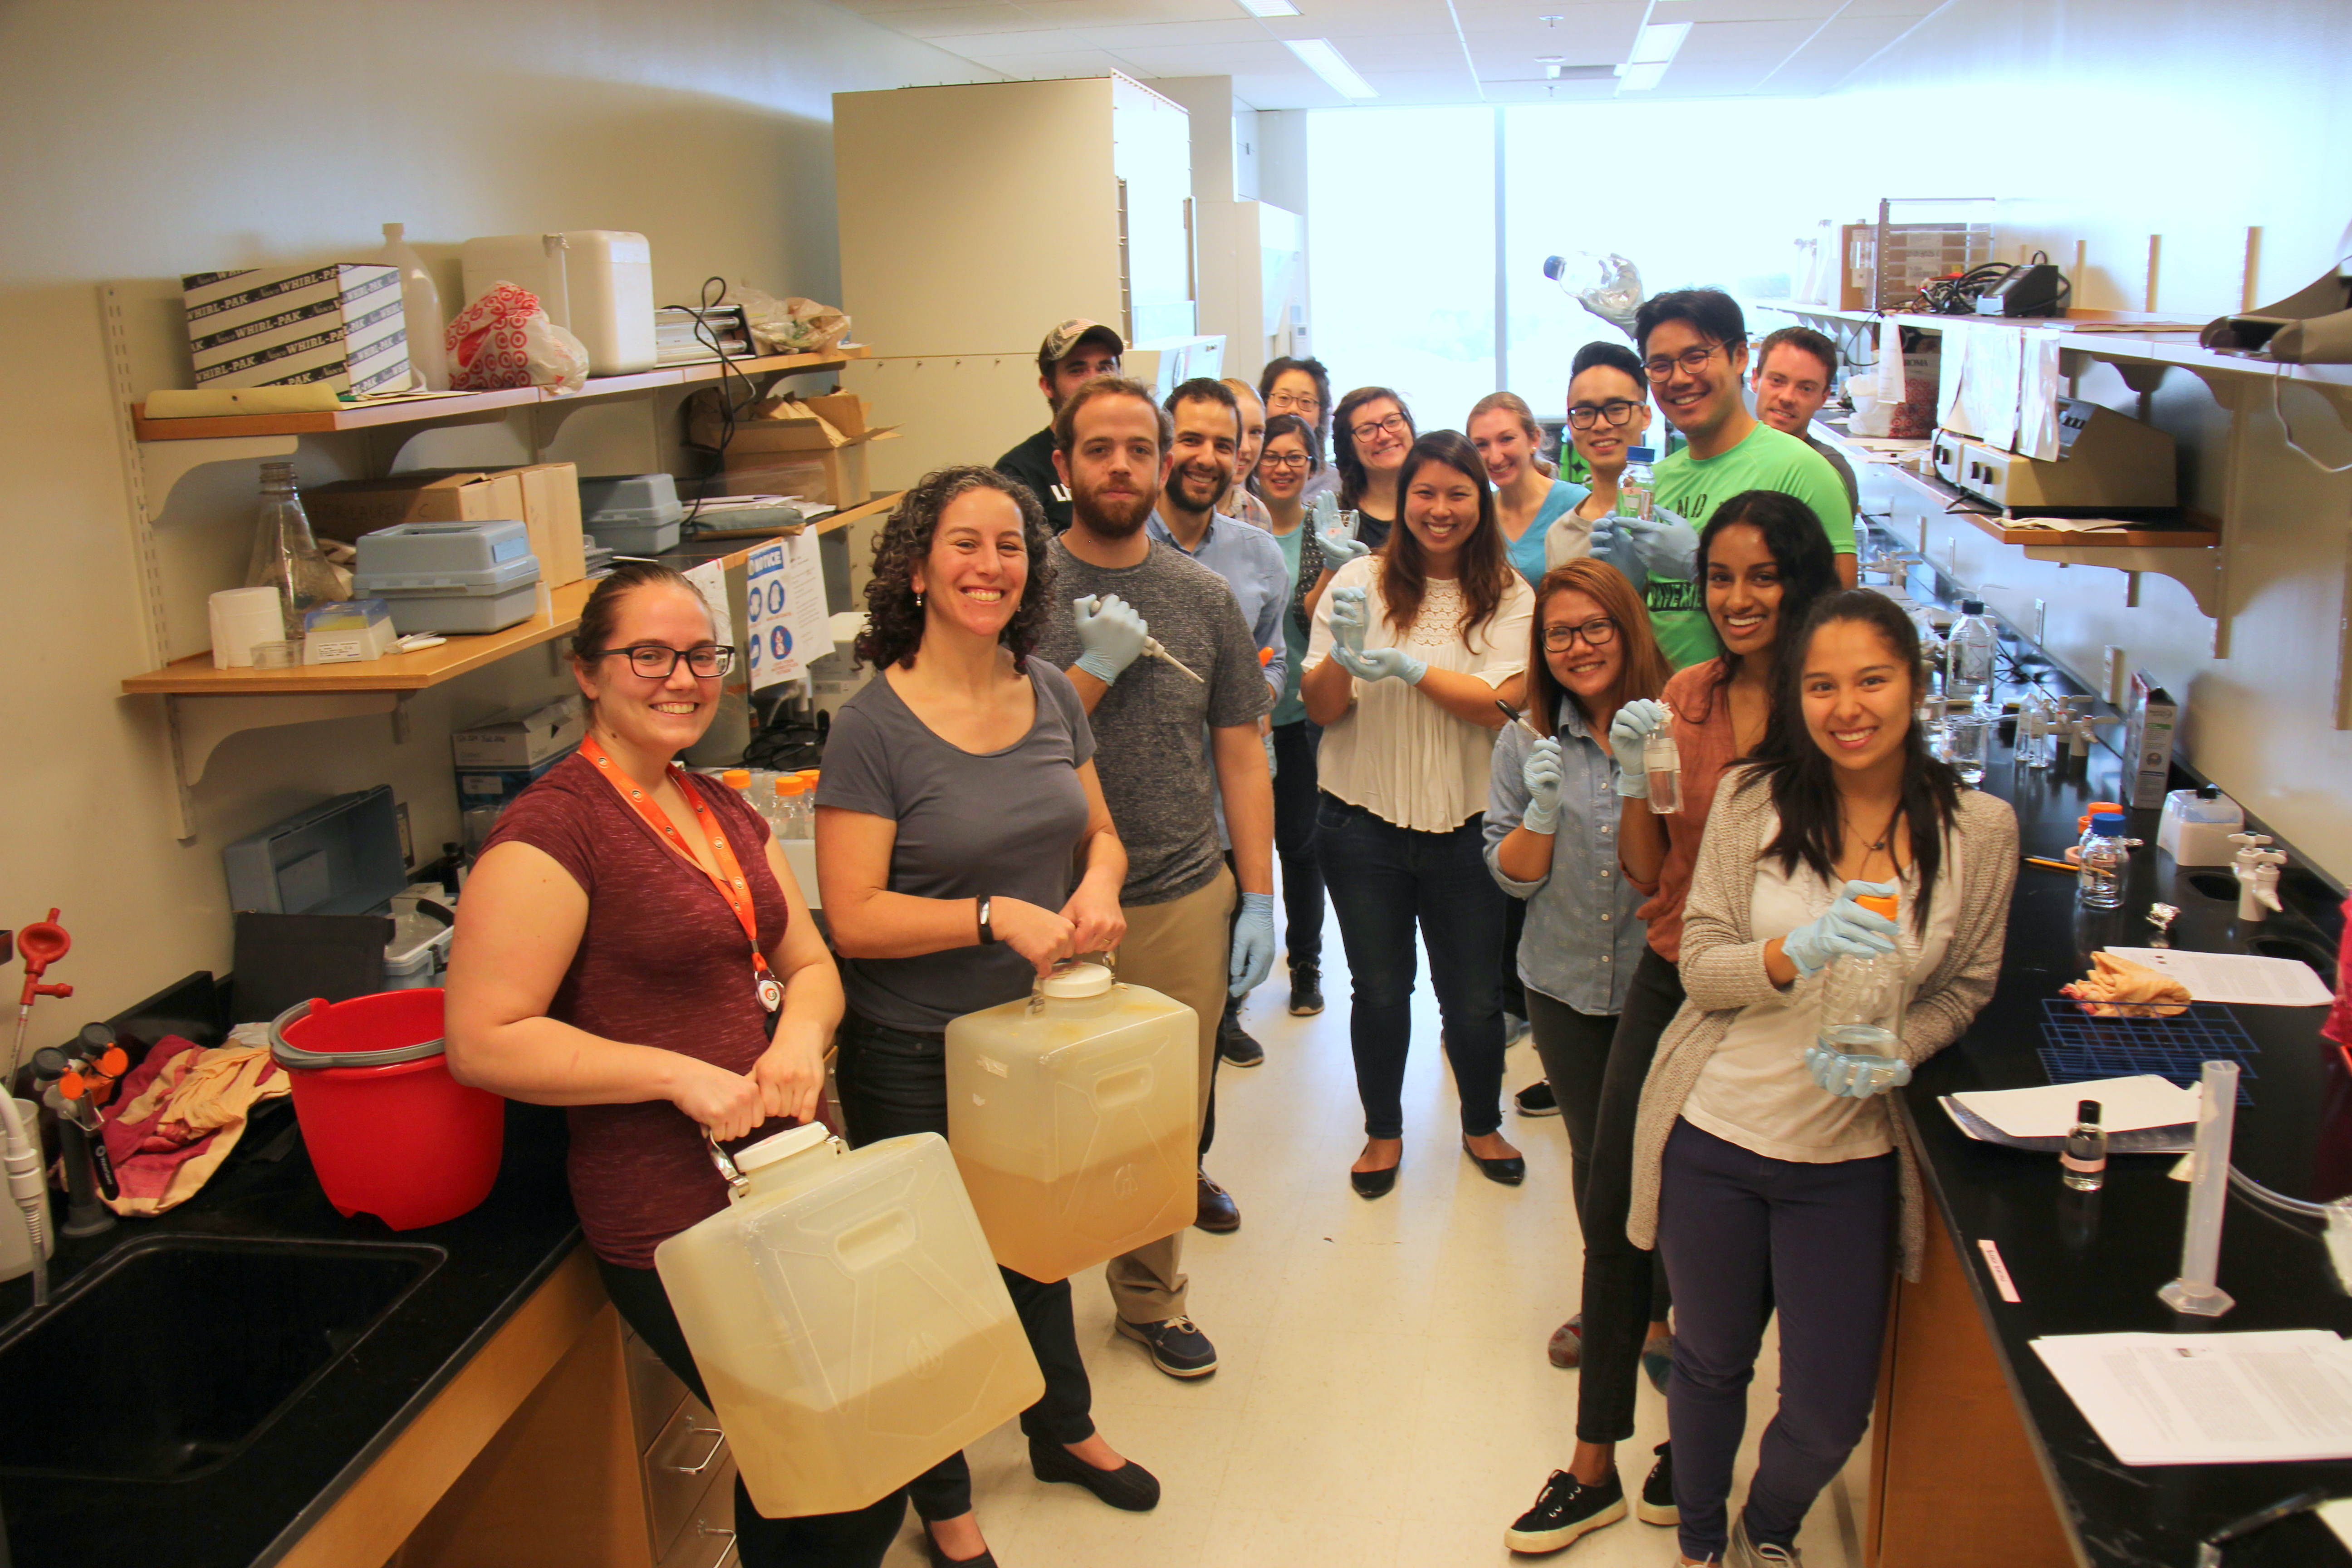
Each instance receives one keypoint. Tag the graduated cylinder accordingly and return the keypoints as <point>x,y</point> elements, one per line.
<point>1074,1120</point>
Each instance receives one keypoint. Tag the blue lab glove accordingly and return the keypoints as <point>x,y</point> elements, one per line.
<point>1110,635</point>
<point>1272,768</point>
<point>1855,1077</point>
<point>1846,930</point>
<point>1540,774</point>
<point>1339,549</point>
<point>1663,546</point>
<point>1253,958</point>
<point>1381,664</point>
<point>1635,722</point>
<point>1348,619</point>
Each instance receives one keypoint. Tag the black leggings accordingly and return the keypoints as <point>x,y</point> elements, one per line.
<point>858,1540</point>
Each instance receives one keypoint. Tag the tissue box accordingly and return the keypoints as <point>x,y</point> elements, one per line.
<point>522,739</point>
<point>351,632</point>
<point>339,323</point>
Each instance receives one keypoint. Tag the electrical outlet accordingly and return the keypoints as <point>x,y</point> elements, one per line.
<point>2113,671</point>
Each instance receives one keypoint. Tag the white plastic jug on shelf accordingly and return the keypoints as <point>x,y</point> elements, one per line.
<point>846,1317</point>
<point>1074,1119</point>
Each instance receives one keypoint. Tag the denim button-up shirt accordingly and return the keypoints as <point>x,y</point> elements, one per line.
<point>1249,561</point>
<point>1583,937</point>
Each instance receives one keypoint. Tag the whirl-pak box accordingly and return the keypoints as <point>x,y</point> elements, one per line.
<point>2148,720</point>
<point>341,323</point>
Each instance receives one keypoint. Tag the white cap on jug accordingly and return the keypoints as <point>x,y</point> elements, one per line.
<point>782,1146</point>
<point>1079,981</point>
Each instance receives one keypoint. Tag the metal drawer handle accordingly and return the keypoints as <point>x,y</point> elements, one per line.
<point>726,1552</point>
<point>717,1442</point>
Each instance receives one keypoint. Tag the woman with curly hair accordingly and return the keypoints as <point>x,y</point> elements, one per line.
<point>959,792</point>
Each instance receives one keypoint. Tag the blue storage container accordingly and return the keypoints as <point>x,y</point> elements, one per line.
<point>450,576</point>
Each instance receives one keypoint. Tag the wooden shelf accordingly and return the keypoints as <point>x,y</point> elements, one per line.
<point>426,410</point>
<point>196,677</point>
<point>2014,531</point>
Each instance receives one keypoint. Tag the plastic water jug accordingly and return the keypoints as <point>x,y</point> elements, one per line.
<point>846,1317</point>
<point>1074,1118</point>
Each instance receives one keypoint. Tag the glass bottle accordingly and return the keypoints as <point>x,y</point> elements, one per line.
<point>2099,880</point>
<point>1969,657</point>
<point>1635,486</point>
<point>2083,1161</point>
<point>286,554</point>
<point>1967,735</point>
<point>1862,1000</point>
<point>1662,761</point>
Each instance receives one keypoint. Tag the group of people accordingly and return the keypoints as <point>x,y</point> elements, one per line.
<point>1125,672</point>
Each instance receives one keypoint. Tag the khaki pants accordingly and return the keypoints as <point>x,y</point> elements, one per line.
<point>1180,948</point>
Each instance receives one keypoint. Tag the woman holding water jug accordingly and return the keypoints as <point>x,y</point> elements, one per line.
<point>963,847</point>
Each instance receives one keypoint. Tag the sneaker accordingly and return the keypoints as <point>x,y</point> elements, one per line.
<point>1658,1360</point>
<point>1566,1348</point>
<point>1744,1553</point>
<point>1515,1029</point>
<point>1177,1348</point>
<point>1564,1510</point>
<point>1235,1046</point>
<point>1215,1211</point>
<point>1536,1099</point>
<point>1305,990</point>
<point>1657,1504</point>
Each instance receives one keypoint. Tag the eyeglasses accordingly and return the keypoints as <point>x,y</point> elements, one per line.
<point>1285,460</point>
<point>656,662</point>
<point>1598,632</point>
<point>1294,403</point>
<point>1692,361</point>
<point>1394,424</point>
<point>1616,411</point>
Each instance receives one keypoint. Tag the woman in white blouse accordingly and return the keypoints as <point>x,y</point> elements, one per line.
<point>1415,653</point>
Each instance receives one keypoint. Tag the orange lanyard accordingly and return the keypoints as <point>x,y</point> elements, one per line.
<point>730,884</point>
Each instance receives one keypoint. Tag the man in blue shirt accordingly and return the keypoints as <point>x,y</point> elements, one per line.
<point>1208,422</point>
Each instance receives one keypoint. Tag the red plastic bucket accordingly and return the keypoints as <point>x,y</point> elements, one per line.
<point>390,1132</point>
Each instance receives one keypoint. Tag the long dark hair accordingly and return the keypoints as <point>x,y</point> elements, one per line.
<point>1642,672</point>
<point>1312,369</point>
<point>1343,442</point>
<point>1803,779</point>
<point>894,621</point>
<point>1807,571</point>
<point>1481,567</point>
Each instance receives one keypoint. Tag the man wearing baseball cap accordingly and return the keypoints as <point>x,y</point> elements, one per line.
<point>1072,354</point>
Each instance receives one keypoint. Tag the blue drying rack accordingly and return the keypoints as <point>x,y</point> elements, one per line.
<point>2078,1047</point>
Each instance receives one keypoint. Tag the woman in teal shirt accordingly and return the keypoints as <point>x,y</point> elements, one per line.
<point>1287,466</point>
<point>1528,500</point>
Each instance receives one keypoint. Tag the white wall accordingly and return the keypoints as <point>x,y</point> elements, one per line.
<point>154,137</point>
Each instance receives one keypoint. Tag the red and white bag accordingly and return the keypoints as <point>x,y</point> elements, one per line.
<point>504,338</point>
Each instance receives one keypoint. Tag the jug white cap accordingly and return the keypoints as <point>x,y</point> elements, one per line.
<point>782,1146</point>
<point>1079,981</point>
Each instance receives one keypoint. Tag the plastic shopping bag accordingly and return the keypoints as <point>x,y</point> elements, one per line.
<point>504,338</point>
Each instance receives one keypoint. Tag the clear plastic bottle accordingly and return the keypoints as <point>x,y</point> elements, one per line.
<point>1662,761</point>
<point>2033,731</point>
<point>286,554</point>
<point>1635,487</point>
<point>2099,879</point>
<point>420,307</point>
<point>2083,1161</point>
<point>1968,739</point>
<point>1862,1000</point>
<point>1969,657</point>
<point>793,812</point>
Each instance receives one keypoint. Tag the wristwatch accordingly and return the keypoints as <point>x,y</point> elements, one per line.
<point>987,931</point>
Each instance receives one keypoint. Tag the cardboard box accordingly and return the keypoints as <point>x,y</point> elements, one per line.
<point>836,477</point>
<point>813,447</point>
<point>551,506</point>
<point>350,508</point>
<point>341,324</point>
<point>2149,716</point>
<point>522,739</point>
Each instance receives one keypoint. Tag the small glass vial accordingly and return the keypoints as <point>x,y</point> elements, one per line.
<point>2099,878</point>
<point>2083,1161</point>
<point>1662,762</point>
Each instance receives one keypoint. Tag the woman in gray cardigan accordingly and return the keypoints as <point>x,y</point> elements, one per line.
<point>1764,1159</point>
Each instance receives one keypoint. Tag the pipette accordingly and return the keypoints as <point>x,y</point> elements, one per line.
<point>1151,646</point>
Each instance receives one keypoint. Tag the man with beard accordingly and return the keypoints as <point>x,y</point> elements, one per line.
<point>1115,584</point>
<point>1207,415</point>
<point>1072,354</point>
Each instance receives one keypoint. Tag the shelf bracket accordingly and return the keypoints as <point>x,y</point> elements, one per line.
<point>2199,570</point>
<point>199,724</point>
<point>166,463</point>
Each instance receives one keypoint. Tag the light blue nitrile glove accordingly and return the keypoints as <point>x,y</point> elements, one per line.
<point>1846,931</point>
<point>1110,635</point>
<point>1855,1077</point>
<point>1663,545</point>
<point>1272,767</point>
<point>1540,774</point>
<point>1382,664</point>
<point>1348,619</point>
<point>1635,722</point>
<point>1339,549</point>
<point>1253,958</point>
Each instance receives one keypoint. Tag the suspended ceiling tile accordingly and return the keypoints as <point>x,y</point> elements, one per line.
<point>1406,50</point>
<point>961,21</point>
<point>1209,60</point>
<point>1914,8</point>
<point>1004,45</point>
<point>1608,38</point>
<point>1129,13</point>
<point>1205,35</point>
<point>1759,44</point>
<point>1873,29</point>
<point>1038,68</point>
<point>1671,11</point>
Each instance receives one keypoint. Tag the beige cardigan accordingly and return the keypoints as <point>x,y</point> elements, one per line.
<point>1723,971</point>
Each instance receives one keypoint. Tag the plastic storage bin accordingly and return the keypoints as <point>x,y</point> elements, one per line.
<point>390,1132</point>
<point>846,1317</point>
<point>450,576</point>
<point>633,514</point>
<point>1074,1119</point>
<point>2195,826</point>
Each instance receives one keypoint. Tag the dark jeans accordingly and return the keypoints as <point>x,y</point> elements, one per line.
<point>1742,1235</point>
<point>1385,881</point>
<point>1620,1298</point>
<point>1574,1050</point>
<point>1295,801</point>
<point>1509,989</point>
<point>858,1540</point>
<point>893,1083</point>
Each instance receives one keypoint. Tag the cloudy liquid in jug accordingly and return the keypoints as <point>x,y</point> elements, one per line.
<point>1051,1229</point>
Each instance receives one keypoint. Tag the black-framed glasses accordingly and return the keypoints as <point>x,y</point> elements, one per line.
<point>1616,411</point>
<point>1598,632</point>
<point>1690,361</point>
<point>1394,424</point>
<point>1285,460</point>
<point>656,662</point>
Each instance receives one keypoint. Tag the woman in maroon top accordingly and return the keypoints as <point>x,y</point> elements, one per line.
<point>597,967</point>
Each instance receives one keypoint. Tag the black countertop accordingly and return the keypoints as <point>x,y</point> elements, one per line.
<point>2087,1263</point>
<point>251,1507</point>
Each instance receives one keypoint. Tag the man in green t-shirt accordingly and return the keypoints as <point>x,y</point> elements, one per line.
<point>1694,347</point>
<point>1073,354</point>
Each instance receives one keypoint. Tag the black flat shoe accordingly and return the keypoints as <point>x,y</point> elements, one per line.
<point>939,1559</point>
<point>1374,1183</point>
<point>1510,1171</point>
<point>1130,1486</point>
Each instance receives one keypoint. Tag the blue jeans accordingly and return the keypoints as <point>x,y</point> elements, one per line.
<point>1384,881</point>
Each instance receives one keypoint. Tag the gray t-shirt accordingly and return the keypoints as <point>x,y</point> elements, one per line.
<point>1844,471</point>
<point>1161,788</point>
<point>1003,823</point>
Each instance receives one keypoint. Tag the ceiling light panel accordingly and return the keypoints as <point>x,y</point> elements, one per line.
<point>1640,78</point>
<point>1657,43</point>
<point>1321,57</point>
<point>1269,8</point>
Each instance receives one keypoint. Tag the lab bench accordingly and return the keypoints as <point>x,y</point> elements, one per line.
<point>1978,1456</point>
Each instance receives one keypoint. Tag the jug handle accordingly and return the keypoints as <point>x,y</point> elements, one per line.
<point>736,1180</point>
<point>1109,958</point>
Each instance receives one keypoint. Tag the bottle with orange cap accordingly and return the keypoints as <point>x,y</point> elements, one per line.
<point>1865,983</point>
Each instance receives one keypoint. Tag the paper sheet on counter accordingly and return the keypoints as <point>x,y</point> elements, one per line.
<point>2209,1399</point>
<point>2126,1105</point>
<point>2236,977</point>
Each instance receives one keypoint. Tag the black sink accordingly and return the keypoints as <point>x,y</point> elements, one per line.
<point>171,1355</point>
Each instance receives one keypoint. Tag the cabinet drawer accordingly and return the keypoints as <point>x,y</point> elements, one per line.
<point>679,1465</point>
<point>708,1537</point>
<point>655,1392</point>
